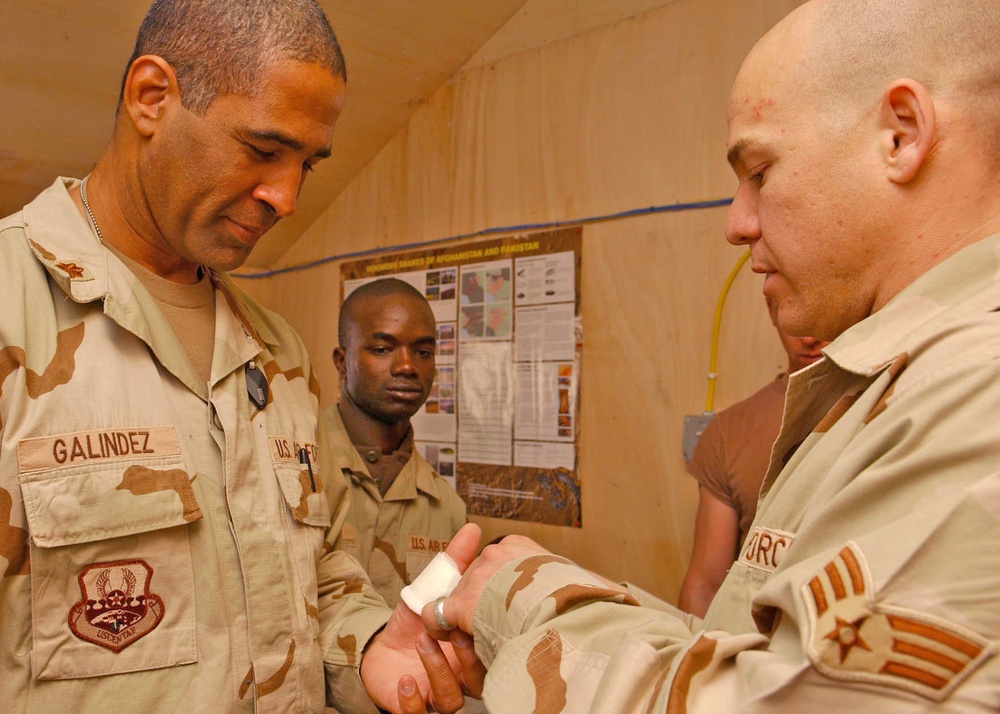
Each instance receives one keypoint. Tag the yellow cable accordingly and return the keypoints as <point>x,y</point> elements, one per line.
<point>714,356</point>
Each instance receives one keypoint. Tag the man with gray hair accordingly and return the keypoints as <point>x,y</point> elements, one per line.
<point>166,516</point>
<point>865,136</point>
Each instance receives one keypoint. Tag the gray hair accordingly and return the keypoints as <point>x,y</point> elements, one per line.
<point>223,46</point>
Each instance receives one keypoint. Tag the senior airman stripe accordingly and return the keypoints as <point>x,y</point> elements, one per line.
<point>854,638</point>
<point>126,444</point>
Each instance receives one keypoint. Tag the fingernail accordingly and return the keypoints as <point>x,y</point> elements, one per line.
<point>407,686</point>
<point>460,638</point>
<point>425,643</point>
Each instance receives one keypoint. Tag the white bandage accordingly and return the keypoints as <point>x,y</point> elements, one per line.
<point>438,579</point>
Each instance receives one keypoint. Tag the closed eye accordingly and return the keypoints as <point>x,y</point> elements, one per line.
<point>262,153</point>
<point>757,176</point>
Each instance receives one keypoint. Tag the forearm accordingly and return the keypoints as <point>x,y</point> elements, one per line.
<point>546,628</point>
<point>696,594</point>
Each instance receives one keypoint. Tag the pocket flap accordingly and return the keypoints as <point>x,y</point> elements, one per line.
<point>90,486</point>
<point>304,494</point>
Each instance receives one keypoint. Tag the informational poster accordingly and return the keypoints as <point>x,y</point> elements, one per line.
<point>502,420</point>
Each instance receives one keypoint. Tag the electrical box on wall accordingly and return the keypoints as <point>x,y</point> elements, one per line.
<point>694,425</point>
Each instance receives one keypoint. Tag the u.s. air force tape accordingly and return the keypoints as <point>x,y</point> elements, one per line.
<point>438,579</point>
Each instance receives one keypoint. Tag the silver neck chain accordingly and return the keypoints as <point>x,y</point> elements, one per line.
<point>93,221</point>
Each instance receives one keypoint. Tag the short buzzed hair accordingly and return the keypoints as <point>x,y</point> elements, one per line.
<point>383,287</point>
<point>219,47</point>
<point>949,46</point>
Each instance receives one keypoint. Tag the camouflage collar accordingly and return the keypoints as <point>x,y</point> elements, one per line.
<point>66,244</point>
<point>963,287</point>
<point>346,456</point>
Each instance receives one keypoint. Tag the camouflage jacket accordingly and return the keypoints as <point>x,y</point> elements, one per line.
<point>868,581</point>
<point>163,545</point>
<point>396,536</point>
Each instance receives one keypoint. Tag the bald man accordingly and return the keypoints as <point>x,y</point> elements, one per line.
<point>865,135</point>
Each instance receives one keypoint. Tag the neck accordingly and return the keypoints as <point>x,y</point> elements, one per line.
<point>109,197</point>
<point>365,430</point>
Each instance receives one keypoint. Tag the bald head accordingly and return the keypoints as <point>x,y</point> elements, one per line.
<point>386,359</point>
<point>849,50</point>
<point>949,46</point>
<point>376,290</point>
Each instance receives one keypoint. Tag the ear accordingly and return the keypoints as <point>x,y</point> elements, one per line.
<point>339,356</point>
<point>908,124</point>
<point>150,88</point>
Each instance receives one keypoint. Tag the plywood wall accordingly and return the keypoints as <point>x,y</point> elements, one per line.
<point>624,116</point>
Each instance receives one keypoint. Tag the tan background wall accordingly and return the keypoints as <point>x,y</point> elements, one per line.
<point>604,119</point>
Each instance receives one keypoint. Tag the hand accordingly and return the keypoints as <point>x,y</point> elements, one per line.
<point>460,607</point>
<point>444,685</point>
<point>397,654</point>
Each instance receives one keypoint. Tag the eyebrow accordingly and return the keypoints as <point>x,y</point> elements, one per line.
<point>735,152</point>
<point>285,140</point>
<point>385,336</point>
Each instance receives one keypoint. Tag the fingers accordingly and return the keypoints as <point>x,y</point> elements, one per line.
<point>463,547</point>
<point>410,701</point>
<point>446,691</point>
<point>473,671</point>
<point>432,620</point>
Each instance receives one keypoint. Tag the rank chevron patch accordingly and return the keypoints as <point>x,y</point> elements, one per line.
<point>853,639</point>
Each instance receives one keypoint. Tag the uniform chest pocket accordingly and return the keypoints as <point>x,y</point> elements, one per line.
<point>111,571</point>
<point>307,525</point>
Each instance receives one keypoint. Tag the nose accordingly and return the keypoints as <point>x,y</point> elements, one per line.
<point>742,221</point>
<point>403,363</point>
<point>280,190</point>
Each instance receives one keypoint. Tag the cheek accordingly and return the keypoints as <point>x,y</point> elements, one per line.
<point>214,174</point>
<point>365,376</point>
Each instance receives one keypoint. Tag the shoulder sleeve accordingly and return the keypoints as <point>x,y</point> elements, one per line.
<point>708,463</point>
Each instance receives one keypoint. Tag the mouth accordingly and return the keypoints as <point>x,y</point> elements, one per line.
<point>760,268</point>
<point>406,393</point>
<point>247,233</point>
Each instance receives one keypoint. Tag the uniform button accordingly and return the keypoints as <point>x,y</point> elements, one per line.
<point>372,457</point>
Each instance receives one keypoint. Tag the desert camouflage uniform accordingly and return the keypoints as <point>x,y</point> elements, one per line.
<point>162,546</point>
<point>869,579</point>
<point>396,536</point>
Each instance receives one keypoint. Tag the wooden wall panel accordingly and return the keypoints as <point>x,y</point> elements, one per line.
<point>620,117</point>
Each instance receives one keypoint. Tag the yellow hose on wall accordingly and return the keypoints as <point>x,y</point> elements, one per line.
<point>714,355</point>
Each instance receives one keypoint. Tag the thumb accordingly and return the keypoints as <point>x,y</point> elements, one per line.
<point>464,546</point>
<point>462,550</point>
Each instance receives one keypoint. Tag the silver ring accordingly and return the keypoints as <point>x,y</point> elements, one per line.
<point>439,618</point>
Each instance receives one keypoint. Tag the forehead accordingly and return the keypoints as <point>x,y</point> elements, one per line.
<point>770,91</point>
<point>393,315</point>
<point>764,108</point>
<point>296,102</point>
